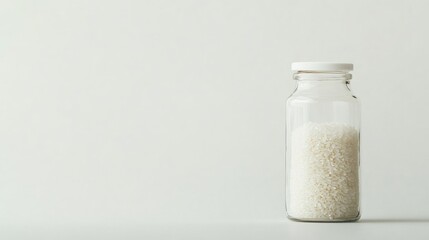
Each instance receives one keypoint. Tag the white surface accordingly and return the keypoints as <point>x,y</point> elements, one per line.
<point>140,112</point>
<point>321,66</point>
<point>273,230</point>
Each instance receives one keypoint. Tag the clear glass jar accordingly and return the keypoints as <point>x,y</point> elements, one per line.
<point>322,152</point>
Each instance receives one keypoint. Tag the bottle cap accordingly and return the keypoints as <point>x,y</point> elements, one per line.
<point>322,66</point>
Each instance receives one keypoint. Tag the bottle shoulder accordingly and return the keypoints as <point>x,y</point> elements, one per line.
<point>307,97</point>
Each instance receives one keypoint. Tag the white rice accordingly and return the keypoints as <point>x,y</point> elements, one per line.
<point>324,177</point>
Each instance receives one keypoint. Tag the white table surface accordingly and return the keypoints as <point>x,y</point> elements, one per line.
<point>394,228</point>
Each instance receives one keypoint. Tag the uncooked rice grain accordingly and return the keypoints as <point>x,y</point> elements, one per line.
<point>324,178</point>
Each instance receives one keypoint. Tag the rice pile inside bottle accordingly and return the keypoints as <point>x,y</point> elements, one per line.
<point>324,181</point>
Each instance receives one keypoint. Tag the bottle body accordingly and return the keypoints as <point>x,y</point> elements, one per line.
<point>322,152</point>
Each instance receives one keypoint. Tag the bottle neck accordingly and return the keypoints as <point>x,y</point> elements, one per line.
<point>329,83</point>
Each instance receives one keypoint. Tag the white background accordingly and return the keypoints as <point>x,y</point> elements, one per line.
<point>129,113</point>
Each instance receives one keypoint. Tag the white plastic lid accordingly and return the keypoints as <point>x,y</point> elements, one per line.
<point>322,66</point>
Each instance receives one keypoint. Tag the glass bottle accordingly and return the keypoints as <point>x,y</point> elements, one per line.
<point>322,144</point>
